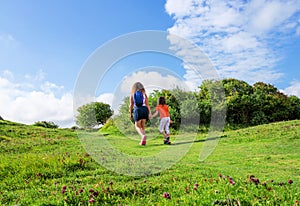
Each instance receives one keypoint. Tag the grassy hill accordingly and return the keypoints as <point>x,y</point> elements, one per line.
<point>41,166</point>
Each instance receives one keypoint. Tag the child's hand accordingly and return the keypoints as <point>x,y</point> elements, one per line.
<point>154,114</point>
<point>171,121</point>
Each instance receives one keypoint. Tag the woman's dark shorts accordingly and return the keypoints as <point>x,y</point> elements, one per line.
<point>140,113</point>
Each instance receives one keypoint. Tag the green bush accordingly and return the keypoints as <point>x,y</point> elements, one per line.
<point>46,124</point>
<point>259,118</point>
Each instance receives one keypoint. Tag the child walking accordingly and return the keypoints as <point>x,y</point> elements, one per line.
<point>164,124</point>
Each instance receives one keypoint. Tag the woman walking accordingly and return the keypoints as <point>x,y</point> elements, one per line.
<point>139,109</point>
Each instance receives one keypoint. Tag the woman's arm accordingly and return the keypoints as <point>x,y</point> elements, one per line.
<point>147,105</point>
<point>131,103</point>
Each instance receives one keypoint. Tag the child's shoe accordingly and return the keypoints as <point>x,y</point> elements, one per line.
<point>167,140</point>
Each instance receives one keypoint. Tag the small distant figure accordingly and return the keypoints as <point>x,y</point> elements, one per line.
<point>164,124</point>
<point>139,105</point>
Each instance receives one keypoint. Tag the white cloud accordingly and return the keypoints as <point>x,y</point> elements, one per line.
<point>239,42</point>
<point>48,87</point>
<point>106,98</point>
<point>7,40</point>
<point>152,79</point>
<point>8,75</point>
<point>293,89</point>
<point>264,15</point>
<point>179,8</point>
<point>39,76</point>
<point>21,104</point>
<point>242,38</point>
<point>198,67</point>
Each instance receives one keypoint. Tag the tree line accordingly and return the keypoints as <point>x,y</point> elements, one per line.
<point>250,105</point>
<point>244,105</point>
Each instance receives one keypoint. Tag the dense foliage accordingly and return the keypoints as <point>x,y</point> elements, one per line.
<point>46,124</point>
<point>240,103</point>
<point>93,114</point>
<point>258,104</point>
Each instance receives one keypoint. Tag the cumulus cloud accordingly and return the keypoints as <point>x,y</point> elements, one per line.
<point>28,104</point>
<point>243,39</point>
<point>106,98</point>
<point>293,89</point>
<point>151,78</point>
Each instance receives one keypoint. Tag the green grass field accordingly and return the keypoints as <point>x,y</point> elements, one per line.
<point>41,166</point>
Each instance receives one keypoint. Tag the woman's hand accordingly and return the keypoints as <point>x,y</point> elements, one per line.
<point>131,117</point>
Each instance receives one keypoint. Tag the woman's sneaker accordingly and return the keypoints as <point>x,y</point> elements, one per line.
<point>143,143</point>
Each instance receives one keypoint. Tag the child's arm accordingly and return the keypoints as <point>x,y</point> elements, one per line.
<point>155,114</point>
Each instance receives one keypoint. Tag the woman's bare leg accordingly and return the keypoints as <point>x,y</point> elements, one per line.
<point>140,128</point>
<point>143,123</point>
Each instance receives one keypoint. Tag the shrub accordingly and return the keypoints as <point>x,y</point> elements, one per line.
<point>46,124</point>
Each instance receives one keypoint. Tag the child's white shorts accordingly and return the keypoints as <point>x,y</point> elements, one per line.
<point>164,125</point>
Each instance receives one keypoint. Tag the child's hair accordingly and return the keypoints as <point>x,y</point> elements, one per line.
<point>162,100</point>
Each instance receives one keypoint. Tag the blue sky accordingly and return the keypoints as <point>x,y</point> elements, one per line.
<point>44,45</point>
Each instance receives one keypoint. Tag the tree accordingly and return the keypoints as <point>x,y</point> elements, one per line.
<point>238,99</point>
<point>211,102</point>
<point>294,107</point>
<point>268,104</point>
<point>246,105</point>
<point>204,102</point>
<point>93,114</point>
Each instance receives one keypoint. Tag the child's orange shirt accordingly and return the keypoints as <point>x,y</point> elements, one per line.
<point>163,110</point>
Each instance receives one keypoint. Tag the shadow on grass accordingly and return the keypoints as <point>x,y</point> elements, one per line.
<point>196,141</point>
<point>180,143</point>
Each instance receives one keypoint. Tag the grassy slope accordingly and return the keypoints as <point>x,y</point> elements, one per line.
<point>36,163</point>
